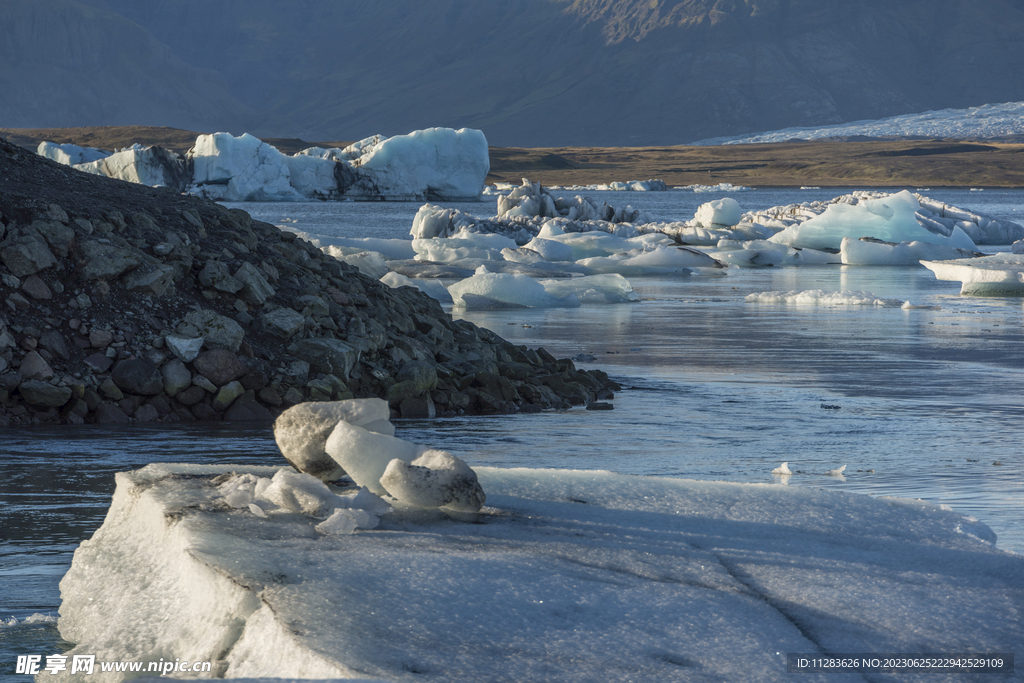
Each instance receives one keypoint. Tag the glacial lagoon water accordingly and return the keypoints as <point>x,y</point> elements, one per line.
<point>918,403</point>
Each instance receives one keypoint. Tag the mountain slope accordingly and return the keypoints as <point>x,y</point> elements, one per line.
<point>64,62</point>
<point>584,72</point>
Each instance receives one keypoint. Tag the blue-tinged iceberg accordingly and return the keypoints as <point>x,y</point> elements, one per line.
<point>432,164</point>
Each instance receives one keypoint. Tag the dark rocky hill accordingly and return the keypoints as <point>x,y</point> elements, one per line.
<point>526,72</point>
<point>119,301</point>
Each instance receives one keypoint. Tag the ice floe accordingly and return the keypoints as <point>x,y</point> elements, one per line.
<point>819,297</point>
<point>996,275</point>
<point>868,251</point>
<point>566,576</point>
<point>70,155</point>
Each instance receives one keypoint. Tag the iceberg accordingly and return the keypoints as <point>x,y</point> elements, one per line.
<point>490,290</point>
<point>996,275</point>
<point>431,288</point>
<point>567,576</point>
<point>893,219</point>
<point>660,260</point>
<point>868,251</point>
<point>153,166</point>
<point>70,155</point>
<point>437,163</point>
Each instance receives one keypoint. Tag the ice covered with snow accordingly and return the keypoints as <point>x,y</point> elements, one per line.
<point>996,275</point>
<point>462,246</point>
<point>987,121</point>
<point>593,289</point>
<point>69,154</point>
<point>819,297</point>
<point>566,576</point>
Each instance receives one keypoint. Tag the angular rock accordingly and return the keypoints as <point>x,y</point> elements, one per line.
<point>220,366</point>
<point>217,330</point>
<point>53,341</point>
<point>146,413</point>
<point>108,413</point>
<point>57,235</point>
<point>184,348</point>
<point>39,393</point>
<point>104,261</point>
<point>98,362</point>
<point>191,395</point>
<point>138,376</point>
<point>329,356</point>
<point>215,274</point>
<point>155,282</point>
<point>256,289</point>
<point>111,390</point>
<point>27,256</point>
<point>247,409</point>
<point>418,407</point>
<point>283,322</point>
<point>100,339</point>
<point>226,395</point>
<point>33,366</point>
<point>36,288</point>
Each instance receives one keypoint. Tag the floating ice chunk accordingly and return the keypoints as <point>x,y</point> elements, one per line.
<point>345,521</point>
<point>818,297</point>
<point>301,431</point>
<point>256,510</point>
<point>593,289</point>
<point>365,499</point>
<point>431,288</point>
<point>509,288</point>
<point>437,479</point>
<point>552,250</point>
<point>364,455</point>
<point>891,218</point>
<point>782,469</point>
<point>299,492</point>
<point>869,251</point>
<point>836,472</point>
<point>369,263</point>
<point>658,260</point>
<point>463,246</point>
<point>724,213</point>
<point>996,275</point>
<point>761,253</point>
<point>388,248</point>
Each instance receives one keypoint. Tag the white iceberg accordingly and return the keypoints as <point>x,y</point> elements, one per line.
<point>996,275</point>
<point>490,290</point>
<point>240,169</point>
<point>571,576</point>
<point>868,251</point>
<point>723,213</point>
<point>593,289</point>
<point>70,155</point>
<point>660,260</point>
<point>153,166</point>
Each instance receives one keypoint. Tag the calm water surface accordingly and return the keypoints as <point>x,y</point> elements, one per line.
<point>714,388</point>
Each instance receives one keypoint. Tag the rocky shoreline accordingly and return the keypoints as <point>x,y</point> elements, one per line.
<point>129,303</point>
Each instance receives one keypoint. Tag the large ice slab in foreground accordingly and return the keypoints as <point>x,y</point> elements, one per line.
<point>996,275</point>
<point>568,576</point>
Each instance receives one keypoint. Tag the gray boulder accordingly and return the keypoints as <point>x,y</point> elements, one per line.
<point>137,376</point>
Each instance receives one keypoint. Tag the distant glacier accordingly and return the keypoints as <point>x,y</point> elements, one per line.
<point>984,122</point>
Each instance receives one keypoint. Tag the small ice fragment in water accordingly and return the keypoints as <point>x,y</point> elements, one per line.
<point>836,473</point>
<point>782,469</point>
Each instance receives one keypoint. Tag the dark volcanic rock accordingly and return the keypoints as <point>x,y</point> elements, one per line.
<point>148,305</point>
